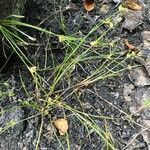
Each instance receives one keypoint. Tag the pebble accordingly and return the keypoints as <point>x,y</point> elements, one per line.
<point>132,19</point>
<point>104,9</point>
<point>139,77</point>
<point>117,1</point>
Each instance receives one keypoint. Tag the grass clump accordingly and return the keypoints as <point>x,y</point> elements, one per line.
<point>97,62</point>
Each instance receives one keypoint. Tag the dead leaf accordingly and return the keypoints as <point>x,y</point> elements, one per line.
<point>130,46</point>
<point>132,4</point>
<point>89,5</point>
<point>61,125</point>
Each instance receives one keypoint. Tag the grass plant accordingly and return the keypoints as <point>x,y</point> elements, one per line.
<point>78,52</point>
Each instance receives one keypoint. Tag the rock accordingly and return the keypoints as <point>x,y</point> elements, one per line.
<point>135,144</point>
<point>146,39</point>
<point>117,1</point>
<point>115,94</point>
<point>146,137</point>
<point>144,56</point>
<point>136,99</point>
<point>147,5</point>
<point>134,110</point>
<point>139,77</point>
<point>104,9</point>
<point>149,15</point>
<point>146,35</point>
<point>146,133</point>
<point>29,136</point>
<point>139,97</point>
<point>127,91</point>
<point>11,127</point>
<point>132,19</point>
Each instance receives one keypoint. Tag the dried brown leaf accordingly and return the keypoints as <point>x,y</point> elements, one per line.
<point>133,4</point>
<point>89,5</point>
<point>130,46</point>
<point>61,125</point>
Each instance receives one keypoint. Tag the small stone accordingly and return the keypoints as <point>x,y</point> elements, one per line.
<point>127,91</point>
<point>117,1</point>
<point>104,9</point>
<point>141,95</point>
<point>146,123</point>
<point>149,15</point>
<point>135,144</point>
<point>146,39</point>
<point>116,94</point>
<point>146,35</point>
<point>139,77</point>
<point>134,110</point>
<point>132,19</point>
<point>146,137</point>
<point>71,6</point>
<point>144,58</point>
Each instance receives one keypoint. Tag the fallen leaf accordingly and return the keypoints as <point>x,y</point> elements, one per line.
<point>61,125</point>
<point>132,4</point>
<point>130,46</point>
<point>89,5</point>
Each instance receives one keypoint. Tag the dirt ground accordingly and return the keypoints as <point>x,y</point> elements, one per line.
<point>115,97</point>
